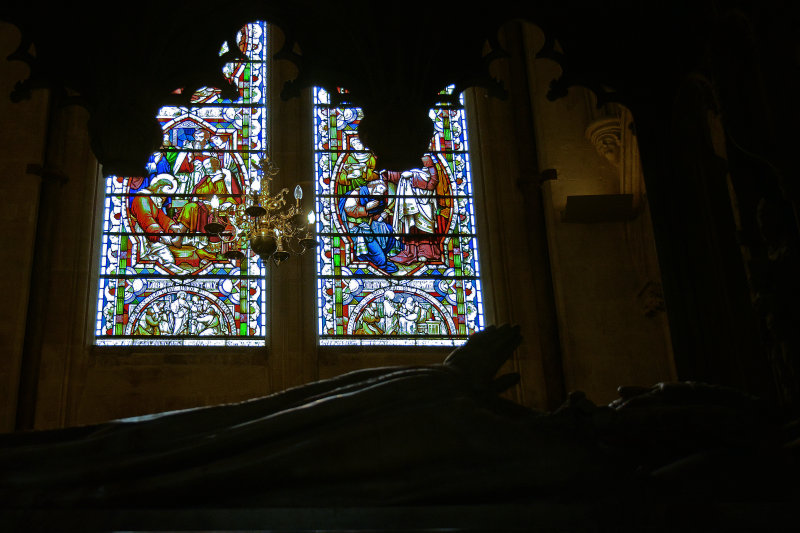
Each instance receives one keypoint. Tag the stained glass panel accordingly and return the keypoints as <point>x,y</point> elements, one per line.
<point>163,279</point>
<point>398,261</point>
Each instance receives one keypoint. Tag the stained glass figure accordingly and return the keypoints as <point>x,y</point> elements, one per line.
<point>163,279</point>
<point>399,258</point>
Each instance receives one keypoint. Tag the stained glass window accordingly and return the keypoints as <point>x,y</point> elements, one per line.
<point>398,261</point>
<point>163,279</point>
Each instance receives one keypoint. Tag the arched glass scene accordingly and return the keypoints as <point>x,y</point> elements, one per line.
<point>398,256</point>
<point>164,279</point>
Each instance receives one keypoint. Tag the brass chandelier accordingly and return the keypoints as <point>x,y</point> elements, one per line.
<point>273,227</point>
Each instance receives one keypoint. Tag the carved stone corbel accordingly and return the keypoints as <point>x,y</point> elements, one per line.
<point>605,135</point>
<point>614,138</point>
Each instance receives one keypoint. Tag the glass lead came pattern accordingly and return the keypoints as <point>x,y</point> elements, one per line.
<point>163,280</point>
<point>398,257</point>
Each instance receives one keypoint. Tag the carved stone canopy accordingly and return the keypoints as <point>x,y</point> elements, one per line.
<point>394,60</point>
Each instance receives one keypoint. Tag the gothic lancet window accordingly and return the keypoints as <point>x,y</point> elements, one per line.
<point>398,261</point>
<point>163,279</point>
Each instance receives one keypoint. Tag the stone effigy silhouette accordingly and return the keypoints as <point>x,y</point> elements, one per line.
<point>406,435</point>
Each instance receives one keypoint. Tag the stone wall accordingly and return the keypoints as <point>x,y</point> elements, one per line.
<point>578,289</point>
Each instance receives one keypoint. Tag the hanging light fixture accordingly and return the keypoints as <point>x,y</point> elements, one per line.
<point>273,227</point>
